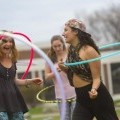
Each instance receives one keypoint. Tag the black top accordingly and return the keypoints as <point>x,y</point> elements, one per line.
<point>11,99</point>
<point>82,70</point>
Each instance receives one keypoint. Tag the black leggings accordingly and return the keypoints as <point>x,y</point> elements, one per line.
<point>102,107</point>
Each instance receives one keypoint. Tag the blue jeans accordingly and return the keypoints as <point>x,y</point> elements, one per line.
<point>15,116</point>
<point>69,109</point>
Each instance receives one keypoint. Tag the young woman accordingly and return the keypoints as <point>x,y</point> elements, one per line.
<point>12,105</point>
<point>56,53</point>
<point>93,99</point>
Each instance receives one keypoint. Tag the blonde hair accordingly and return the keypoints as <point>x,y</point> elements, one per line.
<point>14,52</point>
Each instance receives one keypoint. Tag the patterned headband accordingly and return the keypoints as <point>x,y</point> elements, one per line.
<point>76,24</point>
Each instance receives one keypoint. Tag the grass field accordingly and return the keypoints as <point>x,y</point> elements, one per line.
<point>50,112</point>
<point>44,112</point>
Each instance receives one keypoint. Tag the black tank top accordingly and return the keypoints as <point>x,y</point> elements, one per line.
<point>11,99</point>
<point>82,70</point>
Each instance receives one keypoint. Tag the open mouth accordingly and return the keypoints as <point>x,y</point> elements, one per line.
<point>7,48</point>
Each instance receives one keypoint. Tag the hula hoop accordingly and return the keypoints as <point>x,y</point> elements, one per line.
<point>31,52</point>
<point>76,63</point>
<point>98,58</point>
<point>50,101</point>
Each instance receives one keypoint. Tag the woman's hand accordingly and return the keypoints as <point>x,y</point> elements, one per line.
<point>58,69</point>
<point>37,81</point>
<point>93,93</point>
<point>62,66</point>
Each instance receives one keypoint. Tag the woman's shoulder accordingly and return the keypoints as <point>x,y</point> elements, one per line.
<point>88,49</point>
<point>90,52</point>
<point>86,52</point>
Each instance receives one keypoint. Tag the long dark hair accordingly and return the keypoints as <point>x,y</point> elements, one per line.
<point>85,39</point>
<point>51,53</point>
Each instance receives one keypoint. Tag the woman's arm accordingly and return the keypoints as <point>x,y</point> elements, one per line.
<point>49,75</point>
<point>95,67</point>
<point>27,82</point>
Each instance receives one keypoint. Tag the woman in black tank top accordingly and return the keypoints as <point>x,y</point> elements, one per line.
<point>93,99</point>
<point>12,105</point>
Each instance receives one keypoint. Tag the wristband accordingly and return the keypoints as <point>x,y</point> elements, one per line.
<point>27,85</point>
<point>94,89</point>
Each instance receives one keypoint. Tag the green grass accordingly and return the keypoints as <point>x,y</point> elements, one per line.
<point>36,110</point>
<point>38,113</point>
<point>117,103</point>
<point>118,112</point>
<point>41,115</point>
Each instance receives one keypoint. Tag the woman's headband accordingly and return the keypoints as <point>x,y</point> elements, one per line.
<point>76,24</point>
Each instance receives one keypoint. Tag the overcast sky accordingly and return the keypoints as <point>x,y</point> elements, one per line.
<point>41,19</point>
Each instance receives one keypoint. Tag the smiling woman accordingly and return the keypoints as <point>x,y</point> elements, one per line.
<point>7,47</point>
<point>12,105</point>
<point>93,99</point>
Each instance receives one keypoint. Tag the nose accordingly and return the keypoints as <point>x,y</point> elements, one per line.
<point>57,48</point>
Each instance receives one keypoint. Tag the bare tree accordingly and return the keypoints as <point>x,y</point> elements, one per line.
<point>104,25</point>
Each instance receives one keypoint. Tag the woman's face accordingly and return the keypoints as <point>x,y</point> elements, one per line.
<point>57,46</point>
<point>6,45</point>
<point>69,35</point>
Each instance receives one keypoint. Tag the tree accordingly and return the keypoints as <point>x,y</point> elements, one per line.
<point>104,25</point>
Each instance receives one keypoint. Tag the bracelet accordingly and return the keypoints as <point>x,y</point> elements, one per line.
<point>94,89</point>
<point>27,85</point>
